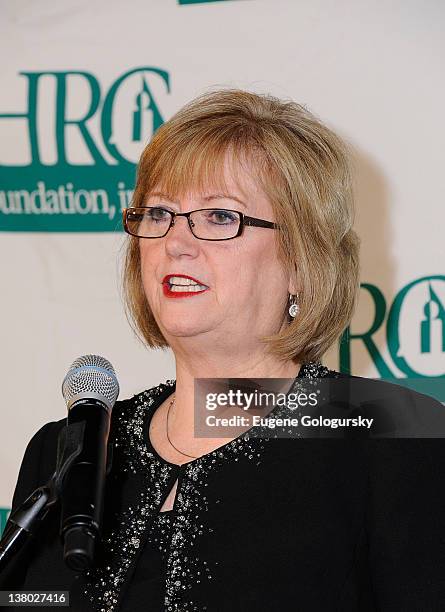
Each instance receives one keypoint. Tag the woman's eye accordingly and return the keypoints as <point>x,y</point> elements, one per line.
<point>221,217</point>
<point>158,214</point>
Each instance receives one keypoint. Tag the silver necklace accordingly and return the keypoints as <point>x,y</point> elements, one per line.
<point>168,437</point>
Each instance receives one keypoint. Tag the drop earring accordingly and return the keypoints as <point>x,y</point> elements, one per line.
<point>294,307</point>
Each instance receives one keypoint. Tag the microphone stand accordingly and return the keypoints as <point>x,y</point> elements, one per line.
<point>27,519</point>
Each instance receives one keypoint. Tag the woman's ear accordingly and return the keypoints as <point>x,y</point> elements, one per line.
<point>294,285</point>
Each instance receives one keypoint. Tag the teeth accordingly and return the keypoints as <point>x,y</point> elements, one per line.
<point>178,280</point>
<point>187,289</point>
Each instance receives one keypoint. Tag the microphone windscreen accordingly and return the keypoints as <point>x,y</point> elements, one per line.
<point>90,377</point>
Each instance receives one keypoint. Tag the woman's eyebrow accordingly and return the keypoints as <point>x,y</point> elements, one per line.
<point>224,196</point>
<point>213,196</point>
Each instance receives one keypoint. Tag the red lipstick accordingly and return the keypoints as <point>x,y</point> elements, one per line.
<point>176,294</point>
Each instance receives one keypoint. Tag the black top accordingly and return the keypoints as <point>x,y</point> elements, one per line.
<point>259,524</point>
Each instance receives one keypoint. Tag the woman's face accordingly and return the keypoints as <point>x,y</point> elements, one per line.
<point>247,286</point>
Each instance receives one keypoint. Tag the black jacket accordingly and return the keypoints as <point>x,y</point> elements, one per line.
<point>308,524</point>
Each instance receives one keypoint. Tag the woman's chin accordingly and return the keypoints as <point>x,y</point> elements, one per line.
<point>183,328</point>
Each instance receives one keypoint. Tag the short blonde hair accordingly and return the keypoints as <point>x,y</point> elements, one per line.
<point>303,168</point>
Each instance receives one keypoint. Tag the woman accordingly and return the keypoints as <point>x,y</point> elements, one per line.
<point>247,200</point>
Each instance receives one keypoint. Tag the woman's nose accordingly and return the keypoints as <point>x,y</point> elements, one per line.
<point>178,220</point>
<point>180,239</point>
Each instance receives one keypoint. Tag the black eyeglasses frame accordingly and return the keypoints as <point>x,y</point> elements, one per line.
<point>244,220</point>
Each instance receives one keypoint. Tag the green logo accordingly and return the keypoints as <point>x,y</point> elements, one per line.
<point>414,326</point>
<point>4,513</point>
<point>47,189</point>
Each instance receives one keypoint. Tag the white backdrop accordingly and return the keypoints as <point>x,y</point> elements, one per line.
<point>373,71</point>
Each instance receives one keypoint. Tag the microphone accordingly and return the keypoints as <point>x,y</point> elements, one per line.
<point>90,390</point>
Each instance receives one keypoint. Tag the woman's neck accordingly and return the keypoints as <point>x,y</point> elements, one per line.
<point>181,414</point>
<point>182,419</point>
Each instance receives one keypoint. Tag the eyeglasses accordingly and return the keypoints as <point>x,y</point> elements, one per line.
<point>204,223</point>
